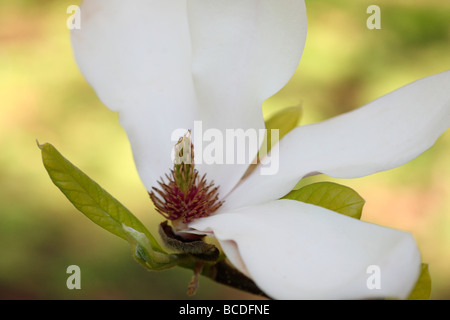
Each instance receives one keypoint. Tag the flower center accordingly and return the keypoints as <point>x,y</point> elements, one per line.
<point>185,195</point>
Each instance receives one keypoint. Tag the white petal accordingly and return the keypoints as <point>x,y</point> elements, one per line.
<point>294,250</point>
<point>138,59</point>
<point>382,135</point>
<point>164,64</point>
<point>243,53</point>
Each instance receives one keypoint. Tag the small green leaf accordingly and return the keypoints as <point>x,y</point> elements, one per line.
<point>284,121</point>
<point>144,253</point>
<point>331,196</point>
<point>90,199</point>
<point>422,290</point>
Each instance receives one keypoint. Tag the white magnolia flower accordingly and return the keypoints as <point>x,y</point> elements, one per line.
<point>164,64</point>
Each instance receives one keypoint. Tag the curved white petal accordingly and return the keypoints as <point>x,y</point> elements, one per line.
<point>137,56</point>
<point>164,64</point>
<point>382,135</point>
<point>243,53</point>
<point>294,250</point>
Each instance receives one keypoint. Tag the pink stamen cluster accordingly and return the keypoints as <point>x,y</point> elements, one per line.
<point>199,201</point>
<point>185,196</point>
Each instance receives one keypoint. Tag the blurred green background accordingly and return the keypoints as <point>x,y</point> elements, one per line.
<point>43,96</point>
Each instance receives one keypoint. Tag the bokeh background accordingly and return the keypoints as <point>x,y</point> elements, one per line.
<point>43,96</point>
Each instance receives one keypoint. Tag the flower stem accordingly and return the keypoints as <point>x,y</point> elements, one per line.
<point>224,273</point>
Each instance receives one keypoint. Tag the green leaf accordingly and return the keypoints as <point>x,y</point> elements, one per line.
<point>144,254</point>
<point>284,121</point>
<point>331,196</point>
<point>422,290</point>
<point>90,199</point>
